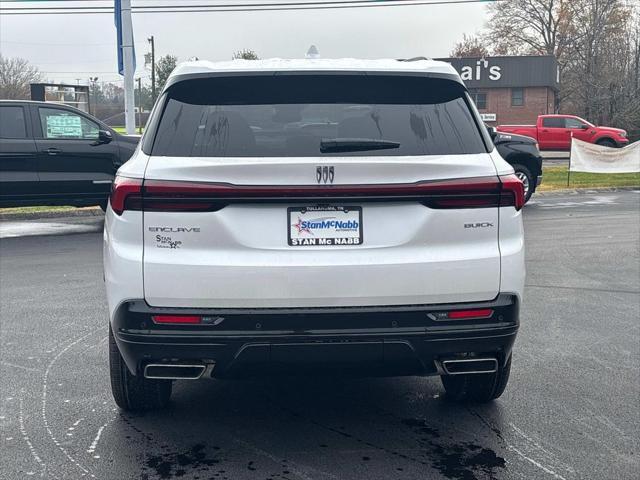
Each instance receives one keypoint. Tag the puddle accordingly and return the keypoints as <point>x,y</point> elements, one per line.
<point>178,464</point>
<point>456,460</point>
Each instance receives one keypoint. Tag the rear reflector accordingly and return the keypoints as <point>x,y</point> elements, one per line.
<point>177,319</point>
<point>177,196</point>
<point>468,314</point>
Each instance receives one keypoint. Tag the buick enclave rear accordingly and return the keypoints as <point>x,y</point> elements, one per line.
<point>313,216</point>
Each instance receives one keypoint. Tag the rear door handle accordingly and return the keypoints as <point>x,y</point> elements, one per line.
<point>53,151</point>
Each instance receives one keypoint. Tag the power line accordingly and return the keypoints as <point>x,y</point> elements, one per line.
<point>219,5</point>
<point>48,44</point>
<point>334,5</point>
<point>77,71</point>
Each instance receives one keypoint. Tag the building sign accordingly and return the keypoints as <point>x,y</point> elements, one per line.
<point>488,117</point>
<point>470,72</point>
<point>507,72</point>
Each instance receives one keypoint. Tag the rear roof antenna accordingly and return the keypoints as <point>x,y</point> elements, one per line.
<point>313,52</point>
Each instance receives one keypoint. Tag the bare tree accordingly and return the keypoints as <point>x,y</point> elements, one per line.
<point>245,54</point>
<point>596,43</point>
<point>539,27</point>
<point>601,63</point>
<point>470,46</point>
<point>532,27</point>
<point>15,76</point>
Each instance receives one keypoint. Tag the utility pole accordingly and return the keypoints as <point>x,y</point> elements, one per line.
<point>93,85</point>
<point>153,67</point>
<point>139,105</point>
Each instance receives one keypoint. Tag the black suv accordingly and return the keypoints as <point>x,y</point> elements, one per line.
<point>52,154</point>
<point>523,155</point>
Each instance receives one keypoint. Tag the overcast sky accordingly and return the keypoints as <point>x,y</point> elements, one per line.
<point>86,43</point>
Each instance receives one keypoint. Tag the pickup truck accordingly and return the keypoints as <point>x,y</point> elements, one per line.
<point>523,155</point>
<point>554,132</point>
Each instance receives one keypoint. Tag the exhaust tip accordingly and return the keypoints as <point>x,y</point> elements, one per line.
<point>470,365</point>
<point>165,371</point>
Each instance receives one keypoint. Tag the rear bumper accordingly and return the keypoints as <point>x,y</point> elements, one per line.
<point>380,341</point>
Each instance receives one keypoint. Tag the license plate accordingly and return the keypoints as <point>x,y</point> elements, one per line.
<point>324,225</point>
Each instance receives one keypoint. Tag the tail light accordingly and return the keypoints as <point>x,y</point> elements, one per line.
<point>512,192</point>
<point>124,192</point>
<point>159,195</point>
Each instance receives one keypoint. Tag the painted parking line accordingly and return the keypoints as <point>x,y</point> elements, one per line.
<point>576,200</point>
<point>598,200</point>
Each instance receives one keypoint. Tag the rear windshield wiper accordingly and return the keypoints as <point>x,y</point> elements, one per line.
<point>336,145</point>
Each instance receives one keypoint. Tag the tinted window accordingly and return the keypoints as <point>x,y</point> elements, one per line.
<point>573,123</point>
<point>63,124</point>
<point>553,122</point>
<point>480,99</point>
<point>517,97</point>
<point>289,116</point>
<point>12,122</point>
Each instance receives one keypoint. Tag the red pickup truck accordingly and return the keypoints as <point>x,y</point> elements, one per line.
<point>554,132</point>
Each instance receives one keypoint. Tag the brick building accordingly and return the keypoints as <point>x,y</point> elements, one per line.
<point>510,90</point>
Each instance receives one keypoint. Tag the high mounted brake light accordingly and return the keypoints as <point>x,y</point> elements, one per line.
<point>172,196</point>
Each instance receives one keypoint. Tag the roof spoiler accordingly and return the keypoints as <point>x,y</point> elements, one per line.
<point>414,59</point>
<point>193,76</point>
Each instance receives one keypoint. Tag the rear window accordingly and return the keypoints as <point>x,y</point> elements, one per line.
<point>295,115</point>
<point>553,122</point>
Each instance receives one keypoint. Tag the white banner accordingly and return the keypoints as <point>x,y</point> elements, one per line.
<point>587,157</point>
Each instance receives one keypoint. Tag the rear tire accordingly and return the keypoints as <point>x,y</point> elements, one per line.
<point>477,388</point>
<point>607,142</point>
<point>134,392</point>
<point>524,174</point>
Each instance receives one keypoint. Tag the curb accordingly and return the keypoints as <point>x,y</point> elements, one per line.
<point>79,212</point>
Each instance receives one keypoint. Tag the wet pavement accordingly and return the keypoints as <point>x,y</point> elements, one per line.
<point>61,226</point>
<point>570,411</point>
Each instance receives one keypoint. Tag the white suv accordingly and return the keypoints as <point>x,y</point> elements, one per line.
<point>346,216</point>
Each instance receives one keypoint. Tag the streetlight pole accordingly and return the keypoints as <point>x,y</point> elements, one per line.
<point>126,60</point>
<point>139,105</point>
<point>93,84</point>
<point>153,67</point>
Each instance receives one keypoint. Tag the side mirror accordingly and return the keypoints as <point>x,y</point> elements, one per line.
<point>492,131</point>
<point>104,136</point>
<point>584,126</point>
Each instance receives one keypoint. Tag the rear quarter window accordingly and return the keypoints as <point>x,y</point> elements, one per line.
<point>12,122</point>
<point>292,115</point>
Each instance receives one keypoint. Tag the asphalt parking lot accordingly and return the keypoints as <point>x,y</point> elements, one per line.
<point>571,410</point>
